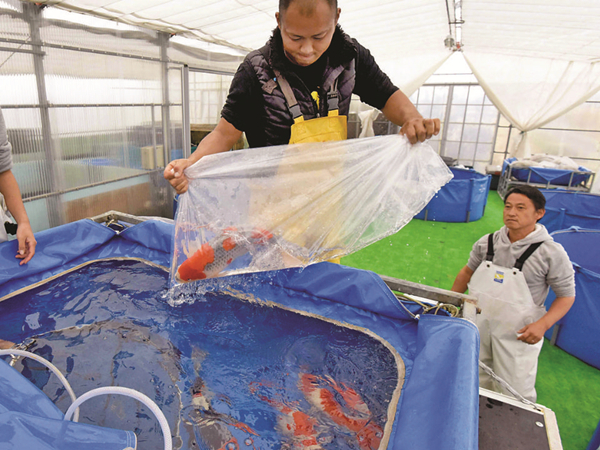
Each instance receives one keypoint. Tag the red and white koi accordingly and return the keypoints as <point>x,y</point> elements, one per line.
<point>305,431</point>
<point>214,256</point>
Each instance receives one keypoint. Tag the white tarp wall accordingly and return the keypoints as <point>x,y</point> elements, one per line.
<point>536,61</point>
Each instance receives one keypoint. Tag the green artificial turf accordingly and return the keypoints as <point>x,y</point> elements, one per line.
<point>432,253</point>
<point>429,253</point>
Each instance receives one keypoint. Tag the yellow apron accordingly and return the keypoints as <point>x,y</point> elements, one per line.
<point>322,129</point>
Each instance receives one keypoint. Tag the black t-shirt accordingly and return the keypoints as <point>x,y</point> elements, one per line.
<point>311,75</point>
<point>244,106</point>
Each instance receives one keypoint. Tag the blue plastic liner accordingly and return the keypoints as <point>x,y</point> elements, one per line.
<point>29,420</point>
<point>544,175</point>
<point>566,209</point>
<point>438,407</point>
<point>578,333</point>
<point>595,441</point>
<point>62,248</point>
<point>463,199</point>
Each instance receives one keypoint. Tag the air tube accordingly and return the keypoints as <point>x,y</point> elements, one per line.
<point>50,366</point>
<point>164,425</point>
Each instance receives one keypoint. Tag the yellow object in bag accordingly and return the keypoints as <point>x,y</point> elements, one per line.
<point>322,129</point>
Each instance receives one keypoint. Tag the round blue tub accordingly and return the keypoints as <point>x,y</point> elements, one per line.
<point>565,209</point>
<point>463,199</point>
<point>578,332</point>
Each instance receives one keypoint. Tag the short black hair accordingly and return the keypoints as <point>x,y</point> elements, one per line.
<point>285,4</point>
<point>532,193</point>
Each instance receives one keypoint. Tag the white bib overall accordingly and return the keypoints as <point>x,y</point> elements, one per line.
<point>3,218</point>
<point>506,307</point>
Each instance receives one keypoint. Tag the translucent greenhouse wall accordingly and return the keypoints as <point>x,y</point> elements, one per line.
<point>96,109</point>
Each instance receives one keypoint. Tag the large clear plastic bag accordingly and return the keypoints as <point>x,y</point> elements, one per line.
<point>293,205</point>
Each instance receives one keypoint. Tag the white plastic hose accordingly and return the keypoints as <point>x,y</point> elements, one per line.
<point>164,425</point>
<point>50,366</point>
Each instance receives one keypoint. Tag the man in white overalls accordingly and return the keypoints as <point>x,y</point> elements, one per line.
<point>510,272</point>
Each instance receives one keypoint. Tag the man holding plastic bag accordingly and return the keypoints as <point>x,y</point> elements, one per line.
<point>298,87</point>
<point>292,205</point>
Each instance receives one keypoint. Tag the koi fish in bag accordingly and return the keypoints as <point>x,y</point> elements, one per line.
<point>214,256</point>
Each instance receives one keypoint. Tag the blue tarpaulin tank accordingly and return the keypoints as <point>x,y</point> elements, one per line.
<point>544,175</point>
<point>29,420</point>
<point>578,332</point>
<point>463,199</point>
<point>90,282</point>
<point>566,209</point>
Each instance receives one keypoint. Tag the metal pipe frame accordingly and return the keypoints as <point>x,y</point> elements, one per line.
<point>166,113</point>
<point>32,14</point>
<point>112,216</point>
<point>21,50</point>
<point>467,303</point>
<point>185,97</point>
<point>87,186</point>
<point>107,53</point>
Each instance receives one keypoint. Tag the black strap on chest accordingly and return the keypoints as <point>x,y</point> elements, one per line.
<point>290,98</point>
<point>490,250</point>
<point>519,263</point>
<point>532,248</point>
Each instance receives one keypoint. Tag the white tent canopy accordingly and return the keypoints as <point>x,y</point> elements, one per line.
<point>536,60</point>
<point>406,37</point>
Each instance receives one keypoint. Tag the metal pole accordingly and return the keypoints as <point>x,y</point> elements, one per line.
<point>447,120</point>
<point>462,130</point>
<point>508,141</point>
<point>155,150</point>
<point>163,39</point>
<point>494,140</point>
<point>32,14</point>
<point>185,98</point>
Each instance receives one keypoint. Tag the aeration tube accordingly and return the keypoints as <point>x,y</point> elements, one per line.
<point>52,368</point>
<point>164,425</point>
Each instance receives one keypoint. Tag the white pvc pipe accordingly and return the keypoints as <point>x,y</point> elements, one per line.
<point>50,366</point>
<point>164,425</point>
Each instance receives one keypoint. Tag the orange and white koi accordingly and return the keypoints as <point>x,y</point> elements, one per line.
<point>304,430</point>
<point>292,422</point>
<point>355,417</point>
<point>214,256</point>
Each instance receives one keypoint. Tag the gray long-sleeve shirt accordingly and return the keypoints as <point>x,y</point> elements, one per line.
<point>5,147</point>
<point>549,266</point>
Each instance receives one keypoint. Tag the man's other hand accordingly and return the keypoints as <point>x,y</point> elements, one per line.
<point>26,242</point>
<point>533,333</point>
<point>175,176</point>
<point>419,129</point>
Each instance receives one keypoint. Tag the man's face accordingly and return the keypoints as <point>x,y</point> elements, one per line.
<point>307,32</point>
<point>520,212</point>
